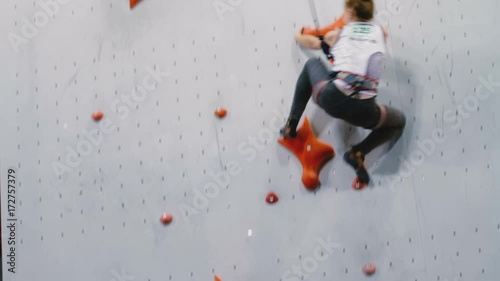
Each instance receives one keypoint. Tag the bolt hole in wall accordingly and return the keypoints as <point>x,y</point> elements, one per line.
<point>145,138</point>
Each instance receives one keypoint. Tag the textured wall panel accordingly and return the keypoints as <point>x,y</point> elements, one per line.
<point>432,212</point>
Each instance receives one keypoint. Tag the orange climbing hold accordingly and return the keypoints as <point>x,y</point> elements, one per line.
<point>337,24</point>
<point>97,115</point>
<point>133,3</point>
<point>272,198</point>
<point>221,112</point>
<point>166,218</point>
<point>217,278</point>
<point>369,269</point>
<point>312,153</point>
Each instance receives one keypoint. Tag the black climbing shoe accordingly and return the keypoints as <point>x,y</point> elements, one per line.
<point>288,132</point>
<point>356,160</point>
<point>290,129</point>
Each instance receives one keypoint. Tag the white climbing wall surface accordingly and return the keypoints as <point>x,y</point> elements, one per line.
<point>89,195</point>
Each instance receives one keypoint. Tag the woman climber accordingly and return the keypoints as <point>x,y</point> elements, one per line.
<point>348,90</point>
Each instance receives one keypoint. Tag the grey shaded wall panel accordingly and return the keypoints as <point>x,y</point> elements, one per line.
<point>431,212</point>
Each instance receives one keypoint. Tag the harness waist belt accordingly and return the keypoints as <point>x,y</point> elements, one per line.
<point>358,82</point>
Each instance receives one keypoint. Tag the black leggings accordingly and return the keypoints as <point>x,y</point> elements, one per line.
<point>386,123</point>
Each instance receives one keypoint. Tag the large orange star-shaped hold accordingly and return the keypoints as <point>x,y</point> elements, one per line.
<point>133,3</point>
<point>312,153</point>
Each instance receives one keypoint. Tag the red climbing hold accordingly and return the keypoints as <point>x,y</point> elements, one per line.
<point>166,218</point>
<point>272,198</point>
<point>312,153</point>
<point>221,112</point>
<point>217,278</point>
<point>133,3</point>
<point>97,115</point>
<point>369,269</point>
<point>358,184</point>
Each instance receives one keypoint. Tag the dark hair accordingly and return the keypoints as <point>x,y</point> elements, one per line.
<point>362,8</point>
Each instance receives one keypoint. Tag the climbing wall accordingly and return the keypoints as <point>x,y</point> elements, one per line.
<point>86,197</point>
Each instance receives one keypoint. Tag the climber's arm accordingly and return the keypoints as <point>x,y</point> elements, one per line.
<point>309,37</point>
<point>386,33</point>
<point>308,41</point>
<point>338,24</point>
<point>331,37</point>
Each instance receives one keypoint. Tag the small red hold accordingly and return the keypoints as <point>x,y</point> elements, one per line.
<point>217,278</point>
<point>357,184</point>
<point>272,198</point>
<point>221,112</point>
<point>97,115</point>
<point>369,269</point>
<point>133,3</point>
<point>166,218</point>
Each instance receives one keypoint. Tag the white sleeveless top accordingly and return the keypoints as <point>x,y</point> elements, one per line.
<point>360,49</point>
